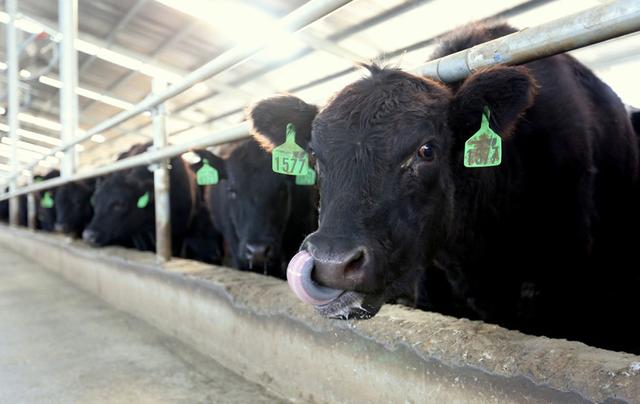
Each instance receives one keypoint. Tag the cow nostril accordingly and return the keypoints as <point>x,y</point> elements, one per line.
<point>60,228</point>
<point>257,252</point>
<point>346,272</point>
<point>354,263</point>
<point>89,236</point>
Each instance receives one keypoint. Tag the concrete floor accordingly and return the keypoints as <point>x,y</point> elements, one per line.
<point>59,344</point>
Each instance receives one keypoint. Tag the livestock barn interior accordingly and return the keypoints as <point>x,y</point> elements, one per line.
<point>163,164</point>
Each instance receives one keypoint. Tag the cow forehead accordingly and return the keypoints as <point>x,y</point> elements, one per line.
<point>385,110</point>
<point>385,96</point>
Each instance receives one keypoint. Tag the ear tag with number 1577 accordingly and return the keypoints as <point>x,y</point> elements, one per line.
<point>207,175</point>
<point>484,148</point>
<point>289,158</point>
<point>308,179</point>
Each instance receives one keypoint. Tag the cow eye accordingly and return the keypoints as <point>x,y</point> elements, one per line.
<point>426,152</point>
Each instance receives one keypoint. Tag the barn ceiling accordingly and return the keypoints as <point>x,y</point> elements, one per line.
<point>124,44</point>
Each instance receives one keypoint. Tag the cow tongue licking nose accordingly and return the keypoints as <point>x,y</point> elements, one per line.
<point>299,279</point>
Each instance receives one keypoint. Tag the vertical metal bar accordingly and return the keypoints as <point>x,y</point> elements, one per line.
<point>32,212</point>
<point>68,21</point>
<point>13,104</point>
<point>161,180</point>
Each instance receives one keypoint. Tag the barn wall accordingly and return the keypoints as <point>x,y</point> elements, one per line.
<point>254,326</point>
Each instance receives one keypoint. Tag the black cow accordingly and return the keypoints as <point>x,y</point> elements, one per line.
<point>203,242</point>
<point>23,211</point>
<point>45,203</point>
<point>263,216</point>
<point>543,242</point>
<point>74,207</point>
<point>124,211</point>
<point>74,203</point>
<point>4,208</point>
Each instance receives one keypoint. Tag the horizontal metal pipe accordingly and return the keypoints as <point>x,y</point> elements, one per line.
<point>299,18</point>
<point>505,14</point>
<point>594,25</point>
<point>591,26</point>
<point>224,136</point>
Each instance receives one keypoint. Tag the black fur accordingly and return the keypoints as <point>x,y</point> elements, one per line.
<point>73,204</point>
<point>117,219</point>
<point>543,243</point>
<point>252,205</point>
<point>46,217</point>
<point>204,242</point>
<point>4,208</point>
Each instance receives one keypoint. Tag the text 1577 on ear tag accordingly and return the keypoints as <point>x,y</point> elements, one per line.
<point>484,148</point>
<point>289,158</point>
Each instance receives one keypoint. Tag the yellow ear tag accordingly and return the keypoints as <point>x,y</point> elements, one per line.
<point>484,148</point>
<point>289,158</point>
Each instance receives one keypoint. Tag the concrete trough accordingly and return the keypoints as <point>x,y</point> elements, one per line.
<point>254,326</point>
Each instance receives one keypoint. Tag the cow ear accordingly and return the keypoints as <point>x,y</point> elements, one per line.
<point>506,91</point>
<point>269,119</point>
<point>213,160</point>
<point>218,163</point>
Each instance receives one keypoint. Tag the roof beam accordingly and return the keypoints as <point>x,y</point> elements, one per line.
<point>124,21</point>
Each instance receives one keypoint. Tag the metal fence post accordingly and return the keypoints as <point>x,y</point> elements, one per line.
<point>161,180</point>
<point>32,209</point>
<point>13,105</point>
<point>68,21</point>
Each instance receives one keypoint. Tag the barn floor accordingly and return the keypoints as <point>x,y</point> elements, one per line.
<point>61,344</point>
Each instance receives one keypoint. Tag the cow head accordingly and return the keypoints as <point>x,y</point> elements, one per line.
<point>45,207</point>
<point>123,209</point>
<point>389,154</point>
<point>74,208</point>
<point>265,209</point>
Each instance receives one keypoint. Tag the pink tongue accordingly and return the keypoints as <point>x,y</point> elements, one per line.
<point>299,278</point>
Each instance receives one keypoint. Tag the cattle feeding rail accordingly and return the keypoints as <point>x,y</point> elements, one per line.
<point>591,26</point>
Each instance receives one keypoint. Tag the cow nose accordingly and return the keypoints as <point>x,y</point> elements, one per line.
<point>90,236</point>
<point>344,271</point>
<point>61,228</point>
<point>257,253</point>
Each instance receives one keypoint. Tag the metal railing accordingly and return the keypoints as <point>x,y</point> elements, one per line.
<point>578,30</point>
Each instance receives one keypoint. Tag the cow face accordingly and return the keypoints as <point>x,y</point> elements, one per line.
<point>123,208</point>
<point>389,152</point>
<point>73,205</point>
<point>258,203</point>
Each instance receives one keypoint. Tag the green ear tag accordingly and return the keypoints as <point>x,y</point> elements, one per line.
<point>308,179</point>
<point>143,201</point>
<point>484,148</point>
<point>289,158</point>
<point>47,201</point>
<point>207,175</point>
